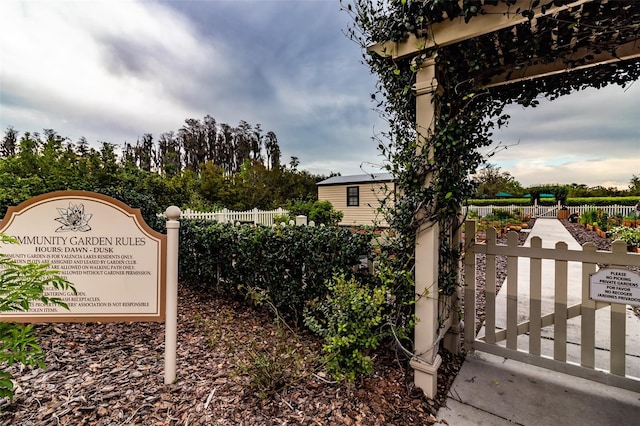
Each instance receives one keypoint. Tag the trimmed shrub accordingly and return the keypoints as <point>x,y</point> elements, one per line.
<point>290,264</point>
<point>592,201</point>
<point>602,201</point>
<point>321,212</point>
<point>148,206</point>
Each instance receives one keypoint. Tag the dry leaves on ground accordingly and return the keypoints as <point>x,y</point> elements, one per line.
<point>112,374</point>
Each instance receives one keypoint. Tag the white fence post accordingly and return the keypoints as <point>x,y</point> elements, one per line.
<point>171,309</point>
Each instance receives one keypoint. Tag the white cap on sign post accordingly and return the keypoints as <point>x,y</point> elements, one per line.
<point>173,213</point>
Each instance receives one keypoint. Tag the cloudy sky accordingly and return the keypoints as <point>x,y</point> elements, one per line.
<point>114,70</point>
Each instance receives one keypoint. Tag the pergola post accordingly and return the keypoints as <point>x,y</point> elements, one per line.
<point>426,359</point>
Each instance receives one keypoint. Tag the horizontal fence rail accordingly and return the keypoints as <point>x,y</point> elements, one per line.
<point>548,211</point>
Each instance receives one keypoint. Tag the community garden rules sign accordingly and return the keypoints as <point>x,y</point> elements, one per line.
<point>121,269</point>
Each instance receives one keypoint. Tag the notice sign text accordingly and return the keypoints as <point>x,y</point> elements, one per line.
<point>102,246</point>
<point>616,286</point>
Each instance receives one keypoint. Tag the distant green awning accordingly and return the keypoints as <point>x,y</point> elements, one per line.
<point>541,196</point>
<point>503,194</point>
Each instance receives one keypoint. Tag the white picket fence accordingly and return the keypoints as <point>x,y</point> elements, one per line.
<point>266,217</point>
<point>255,216</point>
<point>548,211</point>
<point>610,210</point>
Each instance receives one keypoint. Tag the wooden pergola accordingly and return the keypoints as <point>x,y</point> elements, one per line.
<point>574,36</point>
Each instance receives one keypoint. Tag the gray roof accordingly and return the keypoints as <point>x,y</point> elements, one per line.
<point>341,180</point>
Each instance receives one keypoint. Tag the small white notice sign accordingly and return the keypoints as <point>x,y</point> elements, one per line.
<point>615,286</point>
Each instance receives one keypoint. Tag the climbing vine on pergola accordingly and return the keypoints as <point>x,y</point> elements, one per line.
<point>488,54</point>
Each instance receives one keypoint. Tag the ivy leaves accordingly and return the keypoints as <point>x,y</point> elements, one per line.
<point>433,172</point>
<point>348,319</point>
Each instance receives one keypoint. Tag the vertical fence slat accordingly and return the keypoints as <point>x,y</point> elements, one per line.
<point>588,320</point>
<point>535,304</point>
<point>560,307</point>
<point>490,288</point>
<point>469,285</point>
<point>452,338</point>
<point>512,293</point>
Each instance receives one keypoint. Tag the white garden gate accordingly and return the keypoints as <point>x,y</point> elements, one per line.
<point>566,331</point>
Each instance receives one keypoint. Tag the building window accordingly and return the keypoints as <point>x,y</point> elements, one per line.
<point>353,196</point>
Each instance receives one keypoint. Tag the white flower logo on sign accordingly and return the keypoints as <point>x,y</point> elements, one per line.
<point>73,219</point>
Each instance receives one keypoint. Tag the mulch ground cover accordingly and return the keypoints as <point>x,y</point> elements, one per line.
<point>113,373</point>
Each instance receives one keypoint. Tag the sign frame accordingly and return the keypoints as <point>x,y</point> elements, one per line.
<point>157,254</point>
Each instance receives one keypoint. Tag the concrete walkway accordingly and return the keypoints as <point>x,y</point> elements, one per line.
<point>491,390</point>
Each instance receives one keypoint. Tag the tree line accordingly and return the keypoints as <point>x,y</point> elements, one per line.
<point>490,181</point>
<point>203,165</point>
<point>194,144</point>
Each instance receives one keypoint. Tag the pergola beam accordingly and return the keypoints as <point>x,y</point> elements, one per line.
<point>494,18</point>
<point>627,51</point>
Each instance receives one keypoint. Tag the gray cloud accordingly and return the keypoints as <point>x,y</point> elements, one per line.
<point>297,74</point>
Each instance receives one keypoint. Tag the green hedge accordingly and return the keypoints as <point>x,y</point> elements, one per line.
<point>290,263</point>
<point>510,201</point>
<point>602,201</point>
<point>592,201</point>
